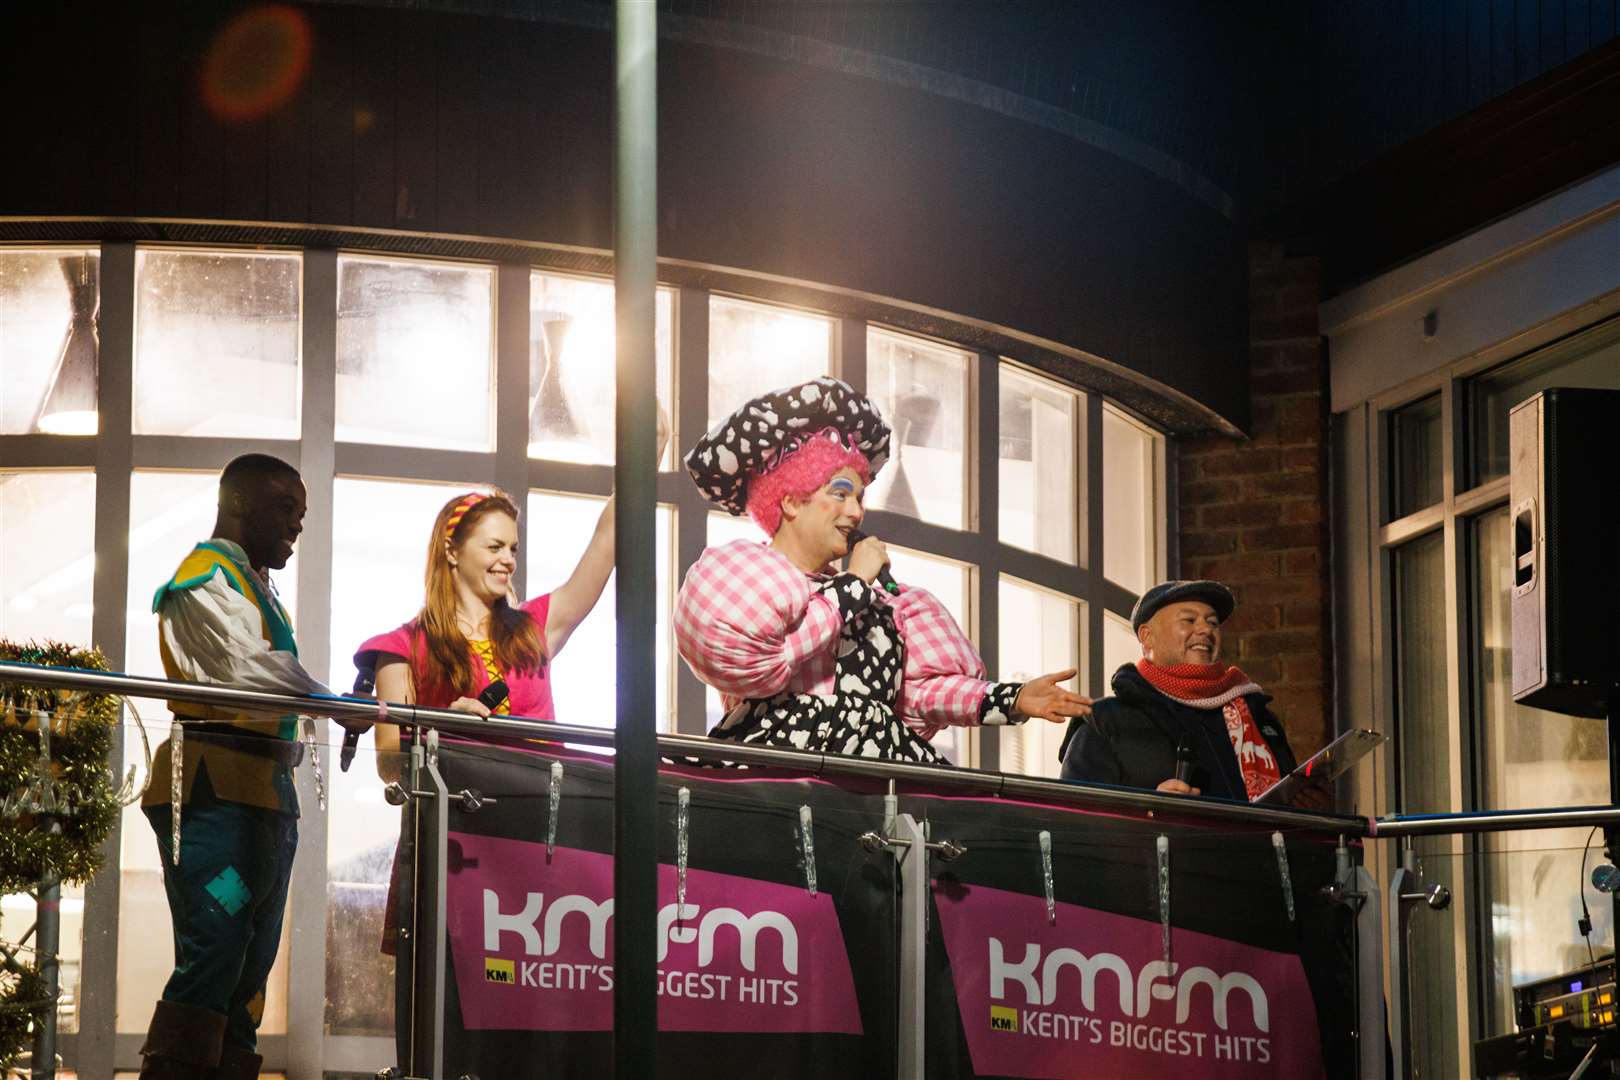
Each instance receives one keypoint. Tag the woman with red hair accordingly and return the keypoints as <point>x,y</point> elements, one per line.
<point>471,632</point>
<point>806,656</point>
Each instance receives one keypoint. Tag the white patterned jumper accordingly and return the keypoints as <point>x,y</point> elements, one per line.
<point>827,662</point>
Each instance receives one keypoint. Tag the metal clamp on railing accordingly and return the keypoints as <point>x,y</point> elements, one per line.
<point>947,850</point>
<point>471,800</point>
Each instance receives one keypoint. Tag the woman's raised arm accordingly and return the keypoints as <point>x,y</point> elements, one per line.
<point>573,599</point>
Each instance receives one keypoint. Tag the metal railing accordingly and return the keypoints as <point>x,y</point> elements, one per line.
<point>1353,886</point>
<point>447,722</point>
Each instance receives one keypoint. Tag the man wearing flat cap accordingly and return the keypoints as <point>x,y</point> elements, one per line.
<point>1179,702</point>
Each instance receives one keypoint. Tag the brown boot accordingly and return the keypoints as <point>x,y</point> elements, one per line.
<point>183,1042</point>
<point>237,1064</point>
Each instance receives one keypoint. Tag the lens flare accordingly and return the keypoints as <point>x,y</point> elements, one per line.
<point>256,63</point>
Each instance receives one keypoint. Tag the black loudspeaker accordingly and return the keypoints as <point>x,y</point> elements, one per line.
<point>1564,492</point>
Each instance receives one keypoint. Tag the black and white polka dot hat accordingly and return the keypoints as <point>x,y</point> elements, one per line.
<point>756,437</point>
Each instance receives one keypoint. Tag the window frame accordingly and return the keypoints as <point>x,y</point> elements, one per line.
<point>116,453</point>
<point>1366,437</point>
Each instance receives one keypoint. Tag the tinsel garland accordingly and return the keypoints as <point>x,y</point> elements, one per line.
<point>80,779</point>
<point>60,775</point>
<point>22,1004</point>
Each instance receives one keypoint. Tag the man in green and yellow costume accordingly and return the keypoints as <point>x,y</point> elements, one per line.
<point>220,622</point>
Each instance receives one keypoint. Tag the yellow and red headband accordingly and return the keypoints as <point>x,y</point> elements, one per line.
<point>464,504</point>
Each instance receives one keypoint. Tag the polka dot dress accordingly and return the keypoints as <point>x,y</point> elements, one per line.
<point>858,718</point>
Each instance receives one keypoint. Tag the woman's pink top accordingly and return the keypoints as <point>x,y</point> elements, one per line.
<point>529,691</point>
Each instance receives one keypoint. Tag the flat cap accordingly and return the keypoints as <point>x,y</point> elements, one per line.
<point>1213,593</point>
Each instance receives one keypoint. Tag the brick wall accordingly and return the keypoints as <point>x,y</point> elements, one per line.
<point>1254,512</point>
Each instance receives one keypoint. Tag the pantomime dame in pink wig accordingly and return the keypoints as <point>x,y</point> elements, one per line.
<point>807,656</point>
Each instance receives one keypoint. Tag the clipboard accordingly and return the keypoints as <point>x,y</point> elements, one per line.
<point>1328,763</point>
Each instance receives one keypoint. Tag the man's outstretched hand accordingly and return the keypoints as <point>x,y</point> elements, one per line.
<point>1044,698</point>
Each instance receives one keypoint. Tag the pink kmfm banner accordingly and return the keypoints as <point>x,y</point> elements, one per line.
<point>531,943</point>
<point>1091,995</point>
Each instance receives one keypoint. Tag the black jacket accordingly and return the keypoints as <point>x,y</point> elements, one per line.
<point>1130,739</point>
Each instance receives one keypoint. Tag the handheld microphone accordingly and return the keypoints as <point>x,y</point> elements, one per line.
<point>365,685</point>
<point>885,578</point>
<point>493,694</point>
<point>1185,760</point>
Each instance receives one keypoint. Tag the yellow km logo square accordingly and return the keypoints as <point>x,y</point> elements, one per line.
<point>1003,1018</point>
<point>499,971</point>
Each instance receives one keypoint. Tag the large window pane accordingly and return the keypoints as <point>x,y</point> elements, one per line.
<point>1530,758</point>
<point>47,555</point>
<point>48,340</point>
<point>724,528</point>
<point>1420,675</point>
<point>379,547</point>
<point>1130,501</point>
<point>414,362</point>
<point>754,348</point>
<point>47,525</point>
<point>585,674</point>
<point>169,512</point>
<point>1423,732</point>
<point>1589,359</point>
<point>217,340</point>
<point>1415,461</point>
<point>951,582</point>
<point>922,390</point>
<point>379,542</point>
<point>1037,469</point>
<point>572,364</point>
<point>1120,647</point>
<point>1040,633</point>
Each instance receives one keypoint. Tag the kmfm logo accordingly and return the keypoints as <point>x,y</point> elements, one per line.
<point>1003,1018</point>
<point>546,938</point>
<point>1137,990</point>
<point>499,971</point>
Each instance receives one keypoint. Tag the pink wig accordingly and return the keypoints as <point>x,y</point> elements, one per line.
<point>799,473</point>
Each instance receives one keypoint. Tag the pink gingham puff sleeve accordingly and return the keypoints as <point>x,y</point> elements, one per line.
<point>943,684</point>
<point>750,624</point>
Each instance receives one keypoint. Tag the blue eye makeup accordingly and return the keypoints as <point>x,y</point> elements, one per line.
<point>841,486</point>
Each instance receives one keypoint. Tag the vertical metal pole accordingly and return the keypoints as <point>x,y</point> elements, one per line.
<point>635,279</point>
<point>1357,889</point>
<point>47,942</point>
<point>411,880</point>
<point>911,1017</point>
<point>432,851</point>
<point>1369,978</point>
<point>1400,1006</point>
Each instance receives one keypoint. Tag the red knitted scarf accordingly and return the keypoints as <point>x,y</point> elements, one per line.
<point>1208,686</point>
<point>1203,686</point>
